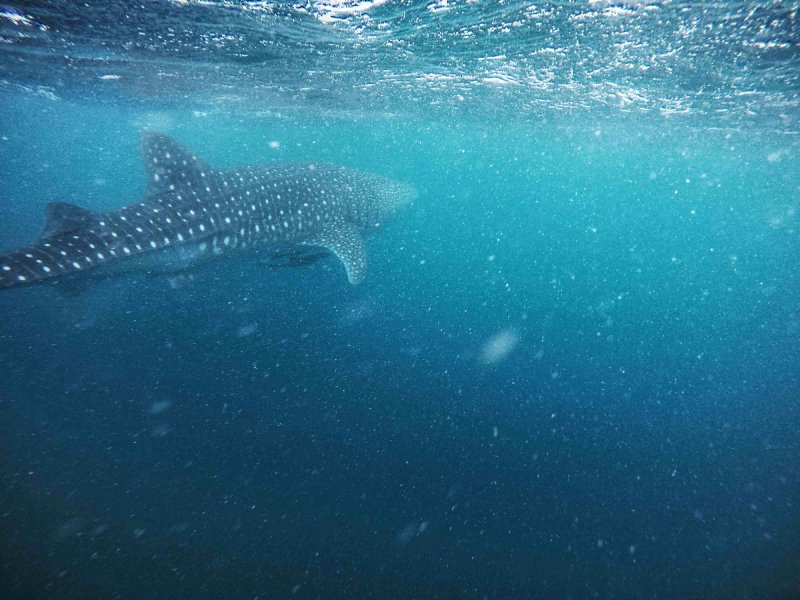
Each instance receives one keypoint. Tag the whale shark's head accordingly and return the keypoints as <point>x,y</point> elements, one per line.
<point>384,196</point>
<point>396,194</point>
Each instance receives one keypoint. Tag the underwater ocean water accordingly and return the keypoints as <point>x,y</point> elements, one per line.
<point>571,371</point>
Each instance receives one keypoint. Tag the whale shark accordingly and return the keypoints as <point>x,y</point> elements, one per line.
<point>192,213</point>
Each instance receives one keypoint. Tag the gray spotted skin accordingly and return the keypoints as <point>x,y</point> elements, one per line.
<point>193,211</point>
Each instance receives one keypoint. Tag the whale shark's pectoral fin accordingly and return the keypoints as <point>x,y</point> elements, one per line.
<point>169,165</point>
<point>344,240</point>
<point>61,217</point>
<point>294,258</point>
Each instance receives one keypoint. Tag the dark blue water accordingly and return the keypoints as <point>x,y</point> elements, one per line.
<point>572,370</point>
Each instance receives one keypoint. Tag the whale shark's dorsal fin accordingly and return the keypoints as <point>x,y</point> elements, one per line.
<point>170,165</point>
<point>344,240</point>
<point>61,217</point>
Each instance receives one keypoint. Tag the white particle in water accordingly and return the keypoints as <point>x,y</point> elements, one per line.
<point>158,407</point>
<point>498,347</point>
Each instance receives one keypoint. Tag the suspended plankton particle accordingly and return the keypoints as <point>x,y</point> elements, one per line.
<point>156,408</point>
<point>498,347</point>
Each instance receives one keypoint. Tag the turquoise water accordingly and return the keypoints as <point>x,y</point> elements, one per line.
<point>571,371</point>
